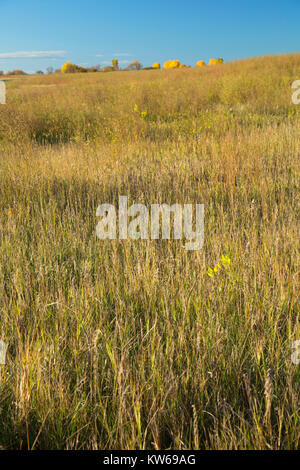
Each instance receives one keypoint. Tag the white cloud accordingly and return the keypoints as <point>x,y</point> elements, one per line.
<point>109,62</point>
<point>122,54</point>
<point>32,54</point>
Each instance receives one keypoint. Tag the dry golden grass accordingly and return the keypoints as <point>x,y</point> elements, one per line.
<point>132,345</point>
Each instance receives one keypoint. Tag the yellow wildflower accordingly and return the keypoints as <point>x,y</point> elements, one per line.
<point>225,263</point>
<point>225,260</point>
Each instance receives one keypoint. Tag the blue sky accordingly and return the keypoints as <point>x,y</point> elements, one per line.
<point>36,34</point>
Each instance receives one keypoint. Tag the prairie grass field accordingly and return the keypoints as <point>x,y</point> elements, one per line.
<point>143,344</point>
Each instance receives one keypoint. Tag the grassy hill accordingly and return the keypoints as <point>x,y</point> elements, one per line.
<point>142,344</point>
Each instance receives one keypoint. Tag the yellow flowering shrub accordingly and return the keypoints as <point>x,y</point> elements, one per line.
<point>136,65</point>
<point>201,63</point>
<point>182,66</point>
<point>156,65</point>
<point>115,64</point>
<point>216,61</point>
<point>68,68</point>
<point>172,64</point>
<point>108,68</point>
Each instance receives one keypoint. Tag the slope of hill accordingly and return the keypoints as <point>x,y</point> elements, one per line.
<point>142,344</point>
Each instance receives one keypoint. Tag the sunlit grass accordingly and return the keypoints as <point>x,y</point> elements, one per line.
<point>134,345</point>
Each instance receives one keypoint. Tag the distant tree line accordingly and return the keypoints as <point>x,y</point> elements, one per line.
<point>68,67</point>
<point>13,72</point>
